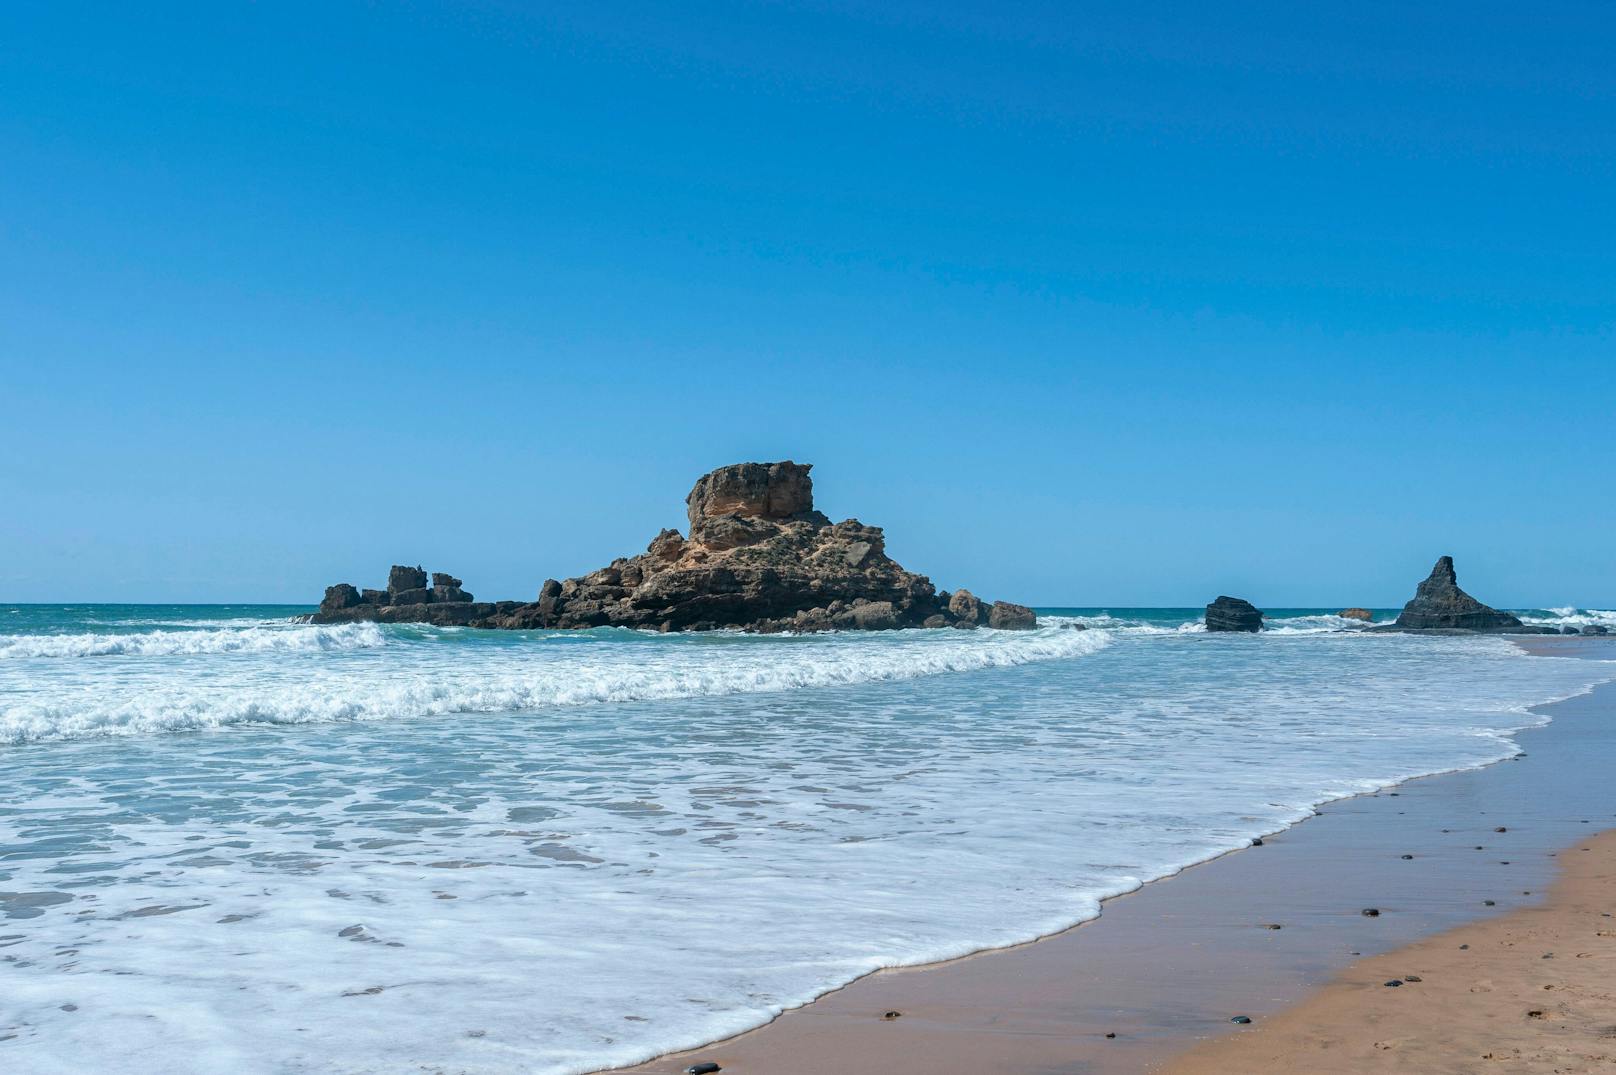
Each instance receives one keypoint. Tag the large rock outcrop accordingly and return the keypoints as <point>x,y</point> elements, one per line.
<point>758,557</point>
<point>1233,614</point>
<point>1439,604</point>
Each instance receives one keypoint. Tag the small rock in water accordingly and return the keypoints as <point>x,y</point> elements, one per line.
<point>1272,925</point>
<point>1464,948</point>
<point>1242,1019</point>
<point>1500,829</point>
<point>1371,912</point>
<point>1489,903</point>
<point>702,1069</point>
<point>890,1015</point>
<point>1257,842</point>
<point>1408,856</point>
<point>1110,1033</point>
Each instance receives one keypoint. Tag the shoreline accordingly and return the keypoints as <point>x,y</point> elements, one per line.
<point>1164,966</point>
<point>1530,988</point>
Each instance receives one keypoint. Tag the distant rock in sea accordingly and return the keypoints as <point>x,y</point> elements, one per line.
<point>1439,604</point>
<point>758,557</point>
<point>1233,614</point>
<point>1362,614</point>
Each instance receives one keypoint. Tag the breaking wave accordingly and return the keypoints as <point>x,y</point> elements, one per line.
<point>527,678</point>
<point>305,639</point>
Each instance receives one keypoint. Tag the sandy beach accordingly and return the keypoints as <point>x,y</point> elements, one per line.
<point>1281,934</point>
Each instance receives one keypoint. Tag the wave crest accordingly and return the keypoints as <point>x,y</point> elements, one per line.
<point>301,639</point>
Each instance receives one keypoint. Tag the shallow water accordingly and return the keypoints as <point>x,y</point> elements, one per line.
<point>228,842</point>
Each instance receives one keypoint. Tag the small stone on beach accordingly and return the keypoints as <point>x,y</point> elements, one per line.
<point>1412,978</point>
<point>1408,856</point>
<point>890,1015</point>
<point>1257,842</point>
<point>1489,903</point>
<point>702,1069</point>
<point>1242,1019</point>
<point>1371,912</point>
<point>1394,983</point>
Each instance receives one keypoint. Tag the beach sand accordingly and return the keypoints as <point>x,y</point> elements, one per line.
<point>1534,991</point>
<point>1167,967</point>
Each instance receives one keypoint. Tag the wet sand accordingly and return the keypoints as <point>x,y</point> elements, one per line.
<point>1168,966</point>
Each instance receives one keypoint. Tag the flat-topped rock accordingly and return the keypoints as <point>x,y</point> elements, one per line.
<point>1439,604</point>
<point>1233,614</point>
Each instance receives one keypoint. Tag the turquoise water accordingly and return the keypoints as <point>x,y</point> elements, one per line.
<point>231,842</point>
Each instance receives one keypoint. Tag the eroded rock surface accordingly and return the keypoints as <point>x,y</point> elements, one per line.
<point>758,557</point>
<point>1439,604</point>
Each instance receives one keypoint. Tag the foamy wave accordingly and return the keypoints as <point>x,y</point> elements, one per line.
<point>306,639</point>
<point>532,679</point>
<point>1572,617</point>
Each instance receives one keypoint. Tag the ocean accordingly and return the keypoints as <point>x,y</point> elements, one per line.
<point>233,842</point>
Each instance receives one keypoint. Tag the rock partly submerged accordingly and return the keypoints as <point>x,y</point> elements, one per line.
<point>1440,605</point>
<point>1361,614</point>
<point>759,557</point>
<point>1233,614</point>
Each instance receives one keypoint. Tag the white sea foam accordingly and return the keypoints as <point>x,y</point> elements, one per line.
<point>433,681</point>
<point>1572,617</point>
<point>575,886</point>
<point>256,639</point>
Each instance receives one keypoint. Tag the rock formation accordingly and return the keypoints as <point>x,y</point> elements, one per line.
<point>758,557</point>
<point>1233,614</point>
<point>1440,604</point>
<point>408,599</point>
<point>1362,614</point>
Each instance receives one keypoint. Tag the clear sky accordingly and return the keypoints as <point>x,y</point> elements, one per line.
<point>1084,305</point>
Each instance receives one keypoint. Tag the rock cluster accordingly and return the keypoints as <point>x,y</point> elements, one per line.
<point>1439,604</point>
<point>1233,614</point>
<point>1361,614</point>
<point>758,557</point>
<point>408,599</point>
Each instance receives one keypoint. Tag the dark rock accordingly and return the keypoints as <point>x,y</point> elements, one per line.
<point>1233,614</point>
<point>441,579</point>
<point>1412,978</point>
<point>402,578</point>
<point>1570,631</point>
<point>702,1069</point>
<point>339,597</point>
<point>1440,604</point>
<point>412,597</point>
<point>373,597</point>
<point>447,594</point>
<point>1257,842</point>
<point>1371,912</point>
<point>1241,1019</point>
<point>935,620</point>
<point>1007,616</point>
<point>1356,614</point>
<point>1075,626</point>
<point>1394,983</point>
<point>1596,629</point>
<point>891,1015</point>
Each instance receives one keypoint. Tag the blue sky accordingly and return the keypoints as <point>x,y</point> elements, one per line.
<point>1083,305</point>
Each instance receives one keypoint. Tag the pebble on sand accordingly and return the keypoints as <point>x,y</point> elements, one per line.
<point>1242,1019</point>
<point>1371,912</point>
<point>891,1015</point>
<point>702,1069</point>
<point>1394,983</point>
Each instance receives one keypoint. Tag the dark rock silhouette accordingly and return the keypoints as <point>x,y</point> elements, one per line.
<point>758,557</point>
<point>1439,604</point>
<point>1233,614</point>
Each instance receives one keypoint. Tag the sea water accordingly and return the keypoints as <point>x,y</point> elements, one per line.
<point>234,842</point>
